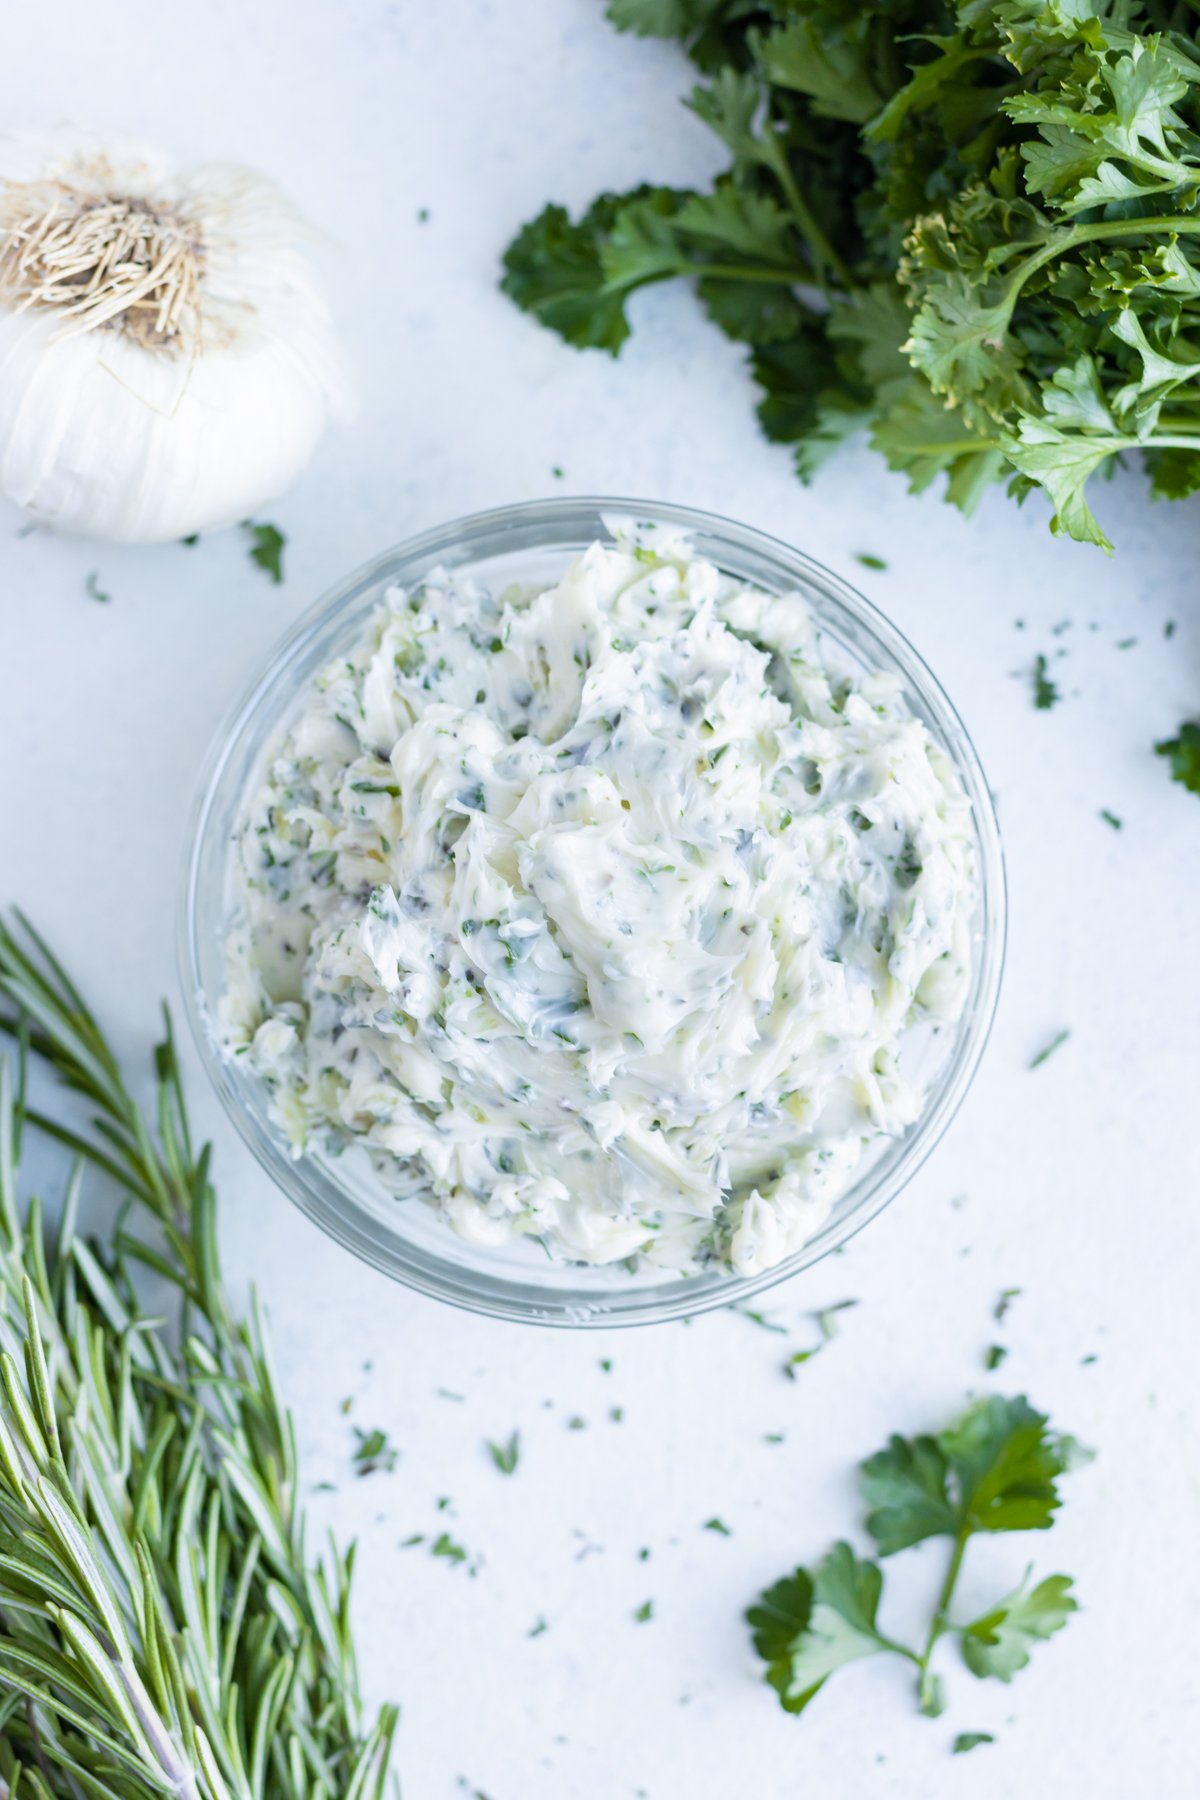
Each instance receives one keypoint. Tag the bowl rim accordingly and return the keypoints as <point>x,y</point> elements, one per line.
<point>503,1296</point>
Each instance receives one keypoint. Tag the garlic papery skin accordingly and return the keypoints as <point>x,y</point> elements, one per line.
<point>167,361</point>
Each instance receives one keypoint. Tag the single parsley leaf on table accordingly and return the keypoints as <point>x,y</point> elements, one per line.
<point>994,1470</point>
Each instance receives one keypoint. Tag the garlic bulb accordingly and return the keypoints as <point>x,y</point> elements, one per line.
<point>166,361</point>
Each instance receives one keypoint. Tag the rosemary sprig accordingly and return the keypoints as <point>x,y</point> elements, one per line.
<point>162,1628</point>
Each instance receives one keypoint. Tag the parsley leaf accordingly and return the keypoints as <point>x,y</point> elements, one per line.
<point>999,1642</point>
<point>970,1740</point>
<point>994,1470</point>
<point>1018,180</point>
<point>807,1628</point>
<point>1183,753</point>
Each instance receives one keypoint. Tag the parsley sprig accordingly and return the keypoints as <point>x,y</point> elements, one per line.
<point>995,1470</point>
<point>972,229</point>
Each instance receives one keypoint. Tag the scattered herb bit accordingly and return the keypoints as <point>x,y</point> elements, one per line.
<point>773,1437</point>
<point>995,1470</point>
<point>94,591</point>
<point>373,1452</point>
<point>192,541</point>
<point>616,1414</point>
<point>644,1554</point>
<point>557,472</point>
<point>869,561</point>
<point>346,1405</point>
<point>576,1423</point>
<point>995,1356</point>
<point>1007,1296</point>
<point>1183,752</point>
<point>969,1740</point>
<point>422,215</point>
<point>1126,643</point>
<point>644,1612</point>
<point>1110,818</point>
<point>266,548</point>
<point>1085,1360</point>
<point>1045,691</point>
<point>538,1628</point>
<point>797,1359</point>
<point>1054,1044</point>
<point>606,1364</point>
<point>444,1545</point>
<point>719,1526</point>
<point>759,1318</point>
<point>449,1394</point>
<point>418,1537</point>
<point>507,1455</point>
<point>1169,629</point>
<point>827,1318</point>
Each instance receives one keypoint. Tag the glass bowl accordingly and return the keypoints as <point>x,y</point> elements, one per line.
<point>408,1240</point>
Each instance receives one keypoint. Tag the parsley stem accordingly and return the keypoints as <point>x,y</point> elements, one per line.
<point>824,254</point>
<point>939,1621</point>
<point>1074,235</point>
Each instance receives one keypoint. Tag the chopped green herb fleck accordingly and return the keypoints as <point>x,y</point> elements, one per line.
<point>870,561</point>
<point>644,1612</point>
<point>996,1354</point>
<point>1007,1296</point>
<point>444,1545</point>
<point>192,540</point>
<point>968,1740</point>
<point>1054,1044</point>
<point>507,1455</point>
<point>1183,752</point>
<point>94,591</point>
<point>1045,691</point>
<point>266,548</point>
<point>719,1526</point>
<point>1110,818</point>
<point>759,1318</point>
<point>374,1452</point>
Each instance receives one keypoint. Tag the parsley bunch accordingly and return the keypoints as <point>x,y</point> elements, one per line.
<point>995,1470</point>
<point>972,228</point>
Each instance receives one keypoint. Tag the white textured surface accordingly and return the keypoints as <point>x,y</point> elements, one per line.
<point>1079,1182</point>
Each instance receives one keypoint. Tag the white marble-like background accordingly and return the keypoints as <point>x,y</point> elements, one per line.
<point>1078,1183</point>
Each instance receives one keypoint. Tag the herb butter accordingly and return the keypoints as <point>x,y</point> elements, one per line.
<point>608,914</point>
